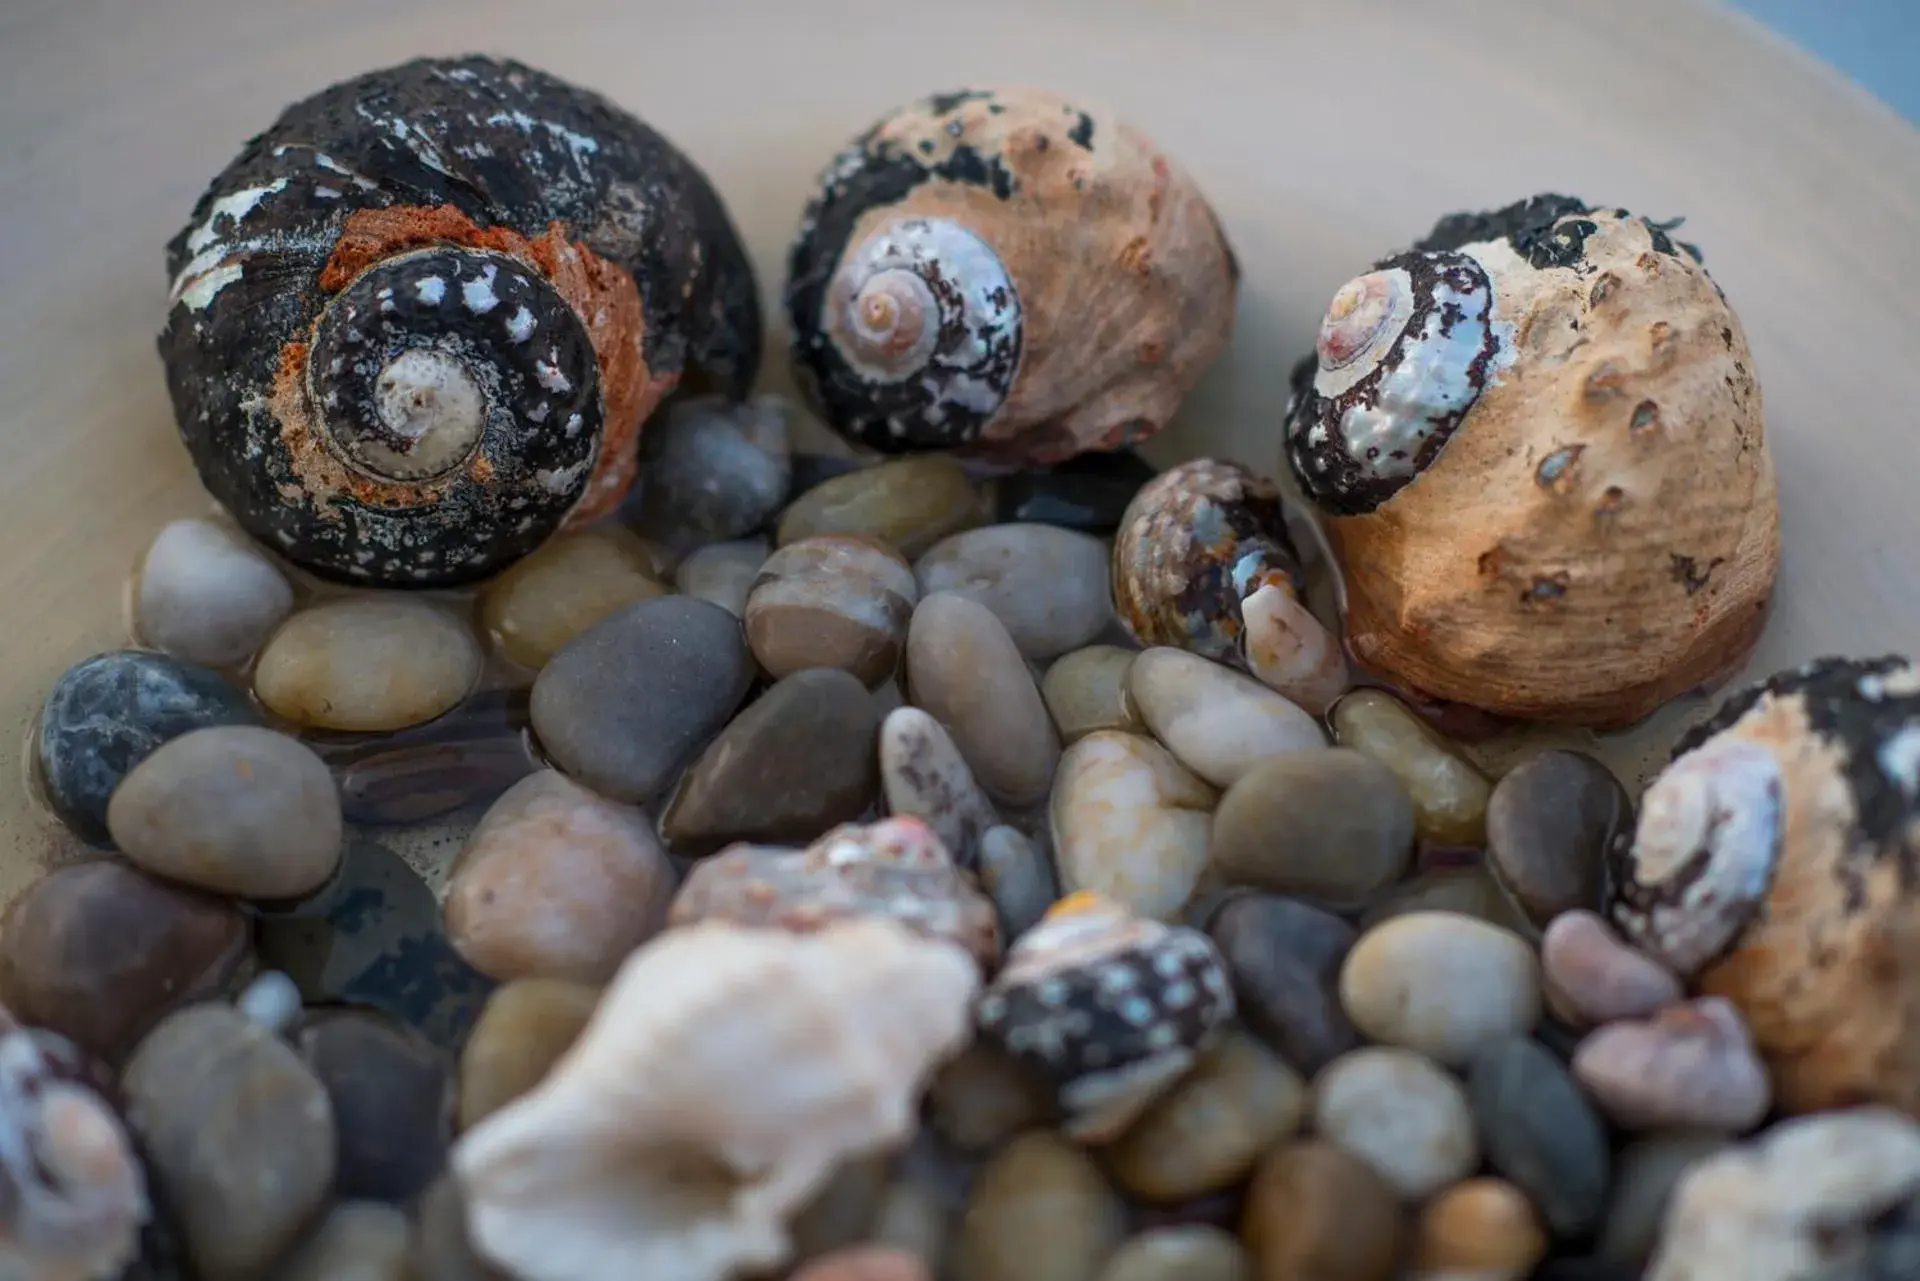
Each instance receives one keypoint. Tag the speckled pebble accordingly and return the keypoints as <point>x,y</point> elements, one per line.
<point>1018,876</point>
<point>1690,1066</point>
<point>1130,822</point>
<point>1317,1213</point>
<point>723,573</point>
<point>1219,723</point>
<point>392,1102</point>
<point>204,1089</point>
<point>1482,1227</point>
<point>1550,822</point>
<point>98,952</point>
<point>1285,959</point>
<point>1540,1131</point>
<point>839,601</point>
<point>711,470</point>
<point>923,774</point>
<point>1440,983</point>
<point>1048,585</point>
<point>908,503</point>
<point>796,761</point>
<point>631,700</point>
<point>1593,976</point>
<point>108,713</point>
<point>367,663</point>
<point>208,595</point>
<point>1401,1114</point>
<point>1198,1253</point>
<point>982,1097</point>
<point>357,1241</point>
<point>1039,1211</point>
<point>1087,690</point>
<point>235,809</point>
<point>1207,1133</point>
<point>1449,794</point>
<point>1645,1175</point>
<point>965,670</point>
<point>1330,825</point>
<point>564,587</point>
<point>523,1030</point>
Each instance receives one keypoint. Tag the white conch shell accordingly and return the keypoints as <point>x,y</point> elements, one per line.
<point>726,1072</point>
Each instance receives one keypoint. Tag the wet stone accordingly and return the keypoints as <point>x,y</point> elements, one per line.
<point>1540,1131</point>
<point>982,1097</point>
<point>373,937</point>
<point>799,760</point>
<point>98,952</point>
<point>1130,822</point>
<point>1331,825</point>
<point>964,669</point>
<point>391,1097</point>
<point>1550,822</point>
<point>1285,959</point>
<point>1449,793</point>
<point>1314,1211</point>
<point>524,1028</point>
<point>711,470</point>
<point>1481,1226</point>
<point>1199,1253</point>
<point>235,809</point>
<point>1088,493</point>
<point>1645,1176</point>
<point>367,663</point>
<point>108,713</point>
<point>564,587</point>
<point>631,700</point>
<point>910,504</point>
<point>1593,976</point>
<point>1018,876</point>
<point>1218,722</point>
<point>1441,984</point>
<point>1087,691</point>
<point>723,573</point>
<point>831,602</point>
<point>1401,1114</point>
<point>1049,586</point>
<point>1040,1211</point>
<point>208,595</point>
<point>357,1241</point>
<point>924,775</point>
<point>467,757</point>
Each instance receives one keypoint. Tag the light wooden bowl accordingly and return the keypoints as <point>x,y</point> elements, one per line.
<point>1327,132</point>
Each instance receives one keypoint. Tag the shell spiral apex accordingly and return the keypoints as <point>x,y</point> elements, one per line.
<point>417,324</point>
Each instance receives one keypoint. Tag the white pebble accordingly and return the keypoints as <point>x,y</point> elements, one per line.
<point>272,1000</point>
<point>207,595</point>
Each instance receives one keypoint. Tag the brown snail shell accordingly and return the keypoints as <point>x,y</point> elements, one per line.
<point>417,323</point>
<point>1537,444</point>
<point>1007,273</point>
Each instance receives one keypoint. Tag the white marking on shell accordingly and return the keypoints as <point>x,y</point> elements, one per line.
<point>520,325</point>
<point>431,289</point>
<point>234,207</point>
<point>1333,382</point>
<point>579,144</point>
<point>326,193</point>
<point>1051,990</point>
<point>560,480</point>
<point>1898,683</point>
<point>207,285</point>
<point>538,413</point>
<point>1137,1010</point>
<point>1899,758</point>
<point>478,294</point>
<point>1178,996</point>
<point>550,377</point>
<point>572,427</point>
<point>409,135</point>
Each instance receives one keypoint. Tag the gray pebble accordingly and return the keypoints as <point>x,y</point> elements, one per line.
<point>982,1097</point>
<point>1018,877</point>
<point>1540,1131</point>
<point>923,774</point>
<point>964,668</point>
<point>1550,822</point>
<point>632,699</point>
<point>1049,585</point>
<point>442,1247</point>
<point>1334,826</point>
<point>236,809</point>
<point>1401,1114</point>
<point>357,1241</point>
<point>711,470</point>
<point>1220,723</point>
<point>392,1102</point>
<point>723,572</point>
<point>1285,959</point>
<point>208,595</point>
<point>1644,1179</point>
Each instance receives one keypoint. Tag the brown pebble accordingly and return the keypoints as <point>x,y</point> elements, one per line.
<point>1482,1226</point>
<point>1449,794</point>
<point>564,587</point>
<point>837,601</point>
<point>1315,1213</point>
<point>1592,976</point>
<point>840,1213</point>
<point>442,1249</point>
<point>1039,1211</point>
<point>1550,821</point>
<point>965,670</point>
<point>1087,690</point>
<point>865,1263</point>
<point>377,662</point>
<point>909,503</point>
<point>1195,1253</point>
<point>982,1097</point>
<point>522,1031</point>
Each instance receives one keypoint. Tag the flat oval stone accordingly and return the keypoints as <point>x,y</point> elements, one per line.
<point>1540,1131</point>
<point>1049,586</point>
<point>711,469</point>
<point>799,760</point>
<point>1207,1133</point>
<point>923,774</point>
<point>208,595</point>
<point>1645,1175</point>
<point>1398,1112</point>
<point>392,1102</point>
<point>965,670</point>
<point>1550,822</point>
<point>1088,492</point>
<point>1197,1253</point>
<point>108,713</point>
<point>1018,876</point>
<point>1440,983</point>
<point>909,504</point>
<point>982,1097</point>
<point>1087,690</point>
<point>1285,959</point>
<point>1593,976</point>
<point>236,809</point>
<point>564,587</point>
<point>524,1028</point>
<point>635,697</point>
<point>1483,1227</point>
<point>1219,722</point>
<point>723,573</point>
<point>1317,1213</point>
<point>367,663</point>
<point>557,882</point>
<point>1039,1211</point>
<point>99,952</point>
<point>1130,822</point>
<point>1331,825</point>
<point>1449,793</point>
<point>357,1241</point>
<point>206,1091</point>
<point>831,602</point>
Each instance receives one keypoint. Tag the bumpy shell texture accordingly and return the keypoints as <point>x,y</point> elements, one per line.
<point>1537,442</point>
<point>417,323</point>
<point>726,1072</point>
<point>1789,882</point>
<point>1007,273</point>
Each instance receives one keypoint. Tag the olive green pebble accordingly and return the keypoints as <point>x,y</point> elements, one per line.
<point>1087,691</point>
<point>368,663</point>
<point>910,504</point>
<point>1449,794</point>
<point>1332,825</point>
<point>1040,1210</point>
<point>564,587</point>
<point>522,1031</point>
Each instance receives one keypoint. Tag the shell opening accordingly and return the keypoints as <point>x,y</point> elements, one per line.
<point>430,400</point>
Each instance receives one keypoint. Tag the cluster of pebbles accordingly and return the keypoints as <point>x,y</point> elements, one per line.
<point>842,893</point>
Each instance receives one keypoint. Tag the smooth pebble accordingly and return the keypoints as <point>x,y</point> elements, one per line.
<point>982,1097</point>
<point>964,669</point>
<point>1087,690</point>
<point>557,882</point>
<point>523,1030</point>
<point>1285,959</point>
<point>442,1249</point>
<point>1541,1132</point>
<point>1482,1227</point>
<point>908,503</point>
<point>1219,723</point>
<point>1401,1114</point>
<point>1039,1211</point>
<point>1593,976</point>
<point>723,573</point>
<point>367,663</point>
<point>923,774</point>
<point>711,469</point>
<point>1690,1066</point>
<point>1130,822</point>
<point>1449,793</point>
<point>912,1217</point>
<point>272,1000</point>
<point>631,700</point>
<point>1550,823</point>
<point>391,1091</point>
<point>1645,1175</point>
<point>840,601</point>
<point>235,809</point>
<point>1469,890</point>
<point>1048,585</point>
<point>1333,826</point>
<point>208,595</point>
<point>564,587</point>
<point>841,1211</point>
<point>1198,1253</point>
<point>1440,983</point>
<point>357,1241</point>
<point>1317,1213</point>
<point>1018,876</point>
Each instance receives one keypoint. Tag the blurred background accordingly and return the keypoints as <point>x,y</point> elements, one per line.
<point>1875,42</point>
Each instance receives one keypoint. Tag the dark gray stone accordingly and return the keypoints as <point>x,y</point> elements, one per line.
<point>1539,1131</point>
<point>392,1103</point>
<point>1285,957</point>
<point>1549,823</point>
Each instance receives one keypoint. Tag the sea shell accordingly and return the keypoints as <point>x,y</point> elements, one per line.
<point>1008,273</point>
<point>415,326</point>
<point>725,1074</point>
<point>1532,434</point>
